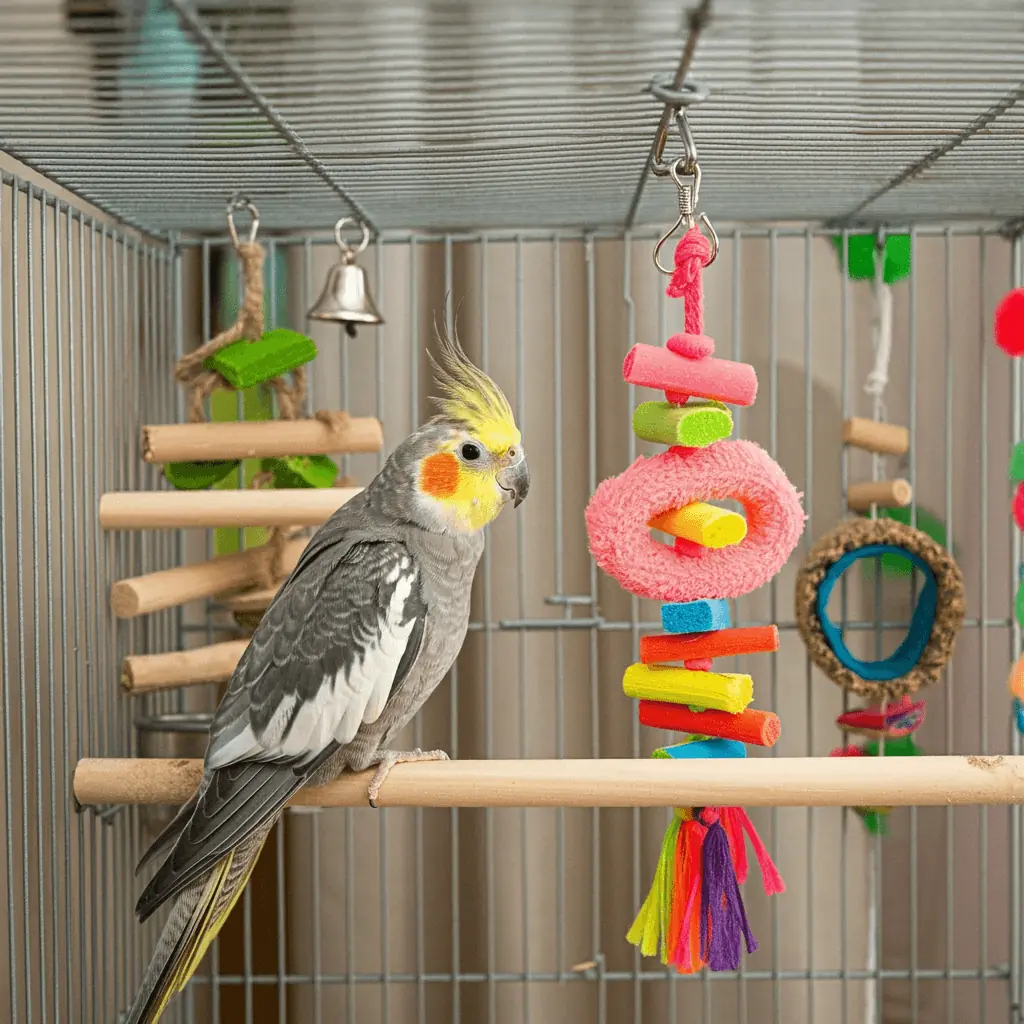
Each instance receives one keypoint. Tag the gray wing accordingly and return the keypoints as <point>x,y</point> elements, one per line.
<point>332,648</point>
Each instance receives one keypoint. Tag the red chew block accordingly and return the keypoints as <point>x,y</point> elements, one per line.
<point>698,664</point>
<point>761,728</point>
<point>1009,323</point>
<point>722,643</point>
<point>693,346</point>
<point>1018,507</point>
<point>719,379</point>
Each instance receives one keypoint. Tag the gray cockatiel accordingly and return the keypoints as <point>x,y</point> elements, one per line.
<point>355,641</point>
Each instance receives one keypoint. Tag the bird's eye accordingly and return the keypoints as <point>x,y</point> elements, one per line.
<point>470,452</point>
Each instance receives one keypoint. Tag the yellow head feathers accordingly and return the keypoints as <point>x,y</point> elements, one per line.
<point>472,398</point>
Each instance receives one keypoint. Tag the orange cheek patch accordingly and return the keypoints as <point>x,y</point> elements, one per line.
<point>439,475</point>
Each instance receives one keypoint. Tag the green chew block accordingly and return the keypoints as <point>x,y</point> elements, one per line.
<point>875,821</point>
<point>694,425</point>
<point>899,746</point>
<point>862,252</point>
<point>302,471</point>
<point>195,476</point>
<point>246,363</point>
<point>1017,463</point>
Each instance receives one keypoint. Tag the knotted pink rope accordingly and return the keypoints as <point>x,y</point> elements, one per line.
<point>691,256</point>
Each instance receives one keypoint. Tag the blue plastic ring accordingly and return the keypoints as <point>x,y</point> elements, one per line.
<point>908,654</point>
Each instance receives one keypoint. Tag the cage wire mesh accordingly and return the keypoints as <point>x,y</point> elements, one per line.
<point>497,147</point>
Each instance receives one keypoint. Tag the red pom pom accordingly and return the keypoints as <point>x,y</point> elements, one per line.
<point>1009,323</point>
<point>1018,506</point>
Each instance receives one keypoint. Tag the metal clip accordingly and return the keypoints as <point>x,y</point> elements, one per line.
<point>688,183</point>
<point>689,157</point>
<point>241,202</point>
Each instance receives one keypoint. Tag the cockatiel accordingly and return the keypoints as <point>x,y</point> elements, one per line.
<point>355,641</point>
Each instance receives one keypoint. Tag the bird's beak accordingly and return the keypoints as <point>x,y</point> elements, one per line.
<point>515,482</point>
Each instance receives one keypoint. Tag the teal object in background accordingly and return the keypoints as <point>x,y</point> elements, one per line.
<point>165,57</point>
<point>863,250</point>
<point>908,654</point>
<point>896,566</point>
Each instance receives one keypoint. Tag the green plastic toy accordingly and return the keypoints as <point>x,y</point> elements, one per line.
<point>862,253</point>
<point>196,476</point>
<point>246,363</point>
<point>894,566</point>
<point>302,471</point>
<point>1017,463</point>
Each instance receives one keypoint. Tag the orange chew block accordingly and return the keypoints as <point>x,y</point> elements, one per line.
<point>1016,678</point>
<point>761,728</point>
<point>722,643</point>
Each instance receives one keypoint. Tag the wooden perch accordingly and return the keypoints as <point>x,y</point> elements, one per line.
<point>873,436</point>
<point>251,600</point>
<point>207,442</point>
<point>151,510</point>
<point>146,673</point>
<point>884,493</point>
<point>649,782</point>
<point>169,588</point>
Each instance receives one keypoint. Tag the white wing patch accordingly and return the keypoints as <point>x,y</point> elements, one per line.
<point>343,701</point>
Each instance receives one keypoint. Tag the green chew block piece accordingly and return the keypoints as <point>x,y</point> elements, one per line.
<point>302,471</point>
<point>1017,463</point>
<point>900,746</point>
<point>875,821</point>
<point>863,250</point>
<point>246,363</point>
<point>694,425</point>
<point>196,476</point>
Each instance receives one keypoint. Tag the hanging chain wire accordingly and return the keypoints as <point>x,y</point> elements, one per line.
<point>676,95</point>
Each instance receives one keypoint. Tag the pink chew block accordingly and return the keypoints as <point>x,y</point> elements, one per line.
<point>719,379</point>
<point>692,346</point>
<point>699,664</point>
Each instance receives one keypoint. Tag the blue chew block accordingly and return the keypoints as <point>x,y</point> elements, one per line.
<point>705,616</point>
<point>703,748</point>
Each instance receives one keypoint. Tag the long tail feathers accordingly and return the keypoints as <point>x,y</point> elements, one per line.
<point>197,917</point>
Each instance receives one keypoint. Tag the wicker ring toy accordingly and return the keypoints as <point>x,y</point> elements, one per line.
<point>937,616</point>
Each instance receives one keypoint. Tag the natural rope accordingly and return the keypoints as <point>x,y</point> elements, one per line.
<point>201,382</point>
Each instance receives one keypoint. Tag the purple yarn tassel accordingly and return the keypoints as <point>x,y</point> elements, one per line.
<point>721,905</point>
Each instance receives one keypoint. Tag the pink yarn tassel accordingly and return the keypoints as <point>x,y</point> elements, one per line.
<point>737,843</point>
<point>773,882</point>
<point>691,255</point>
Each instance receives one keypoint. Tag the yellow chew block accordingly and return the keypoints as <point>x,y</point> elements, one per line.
<point>703,524</point>
<point>720,691</point>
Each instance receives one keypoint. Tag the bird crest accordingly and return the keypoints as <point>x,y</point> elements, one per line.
<point>470,397</point>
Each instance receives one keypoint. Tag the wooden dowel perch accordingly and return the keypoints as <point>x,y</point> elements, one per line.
<point>215,442</point>
<point>151,510</point>
<point>146,673</point>
<point>169,588</point>
<point>755,782</point>
<point>873,436</point>
<point>884,493</point>
<point>250,600</point>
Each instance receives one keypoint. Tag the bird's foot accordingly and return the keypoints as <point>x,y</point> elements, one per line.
<point>388,760</point>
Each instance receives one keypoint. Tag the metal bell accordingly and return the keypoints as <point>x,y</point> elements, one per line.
<point>346,298</point>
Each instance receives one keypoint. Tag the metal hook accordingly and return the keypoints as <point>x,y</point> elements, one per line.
<point>689,157</point>
<point>240,202</point>
<point>689,192</point>
<point>364,241</point>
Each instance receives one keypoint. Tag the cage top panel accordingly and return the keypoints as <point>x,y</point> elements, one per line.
<point>439,114</point>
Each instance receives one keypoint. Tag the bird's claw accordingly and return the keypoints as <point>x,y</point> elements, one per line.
<point>388,760</point>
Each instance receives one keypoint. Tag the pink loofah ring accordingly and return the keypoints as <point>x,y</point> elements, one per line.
<point>622,506</point>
